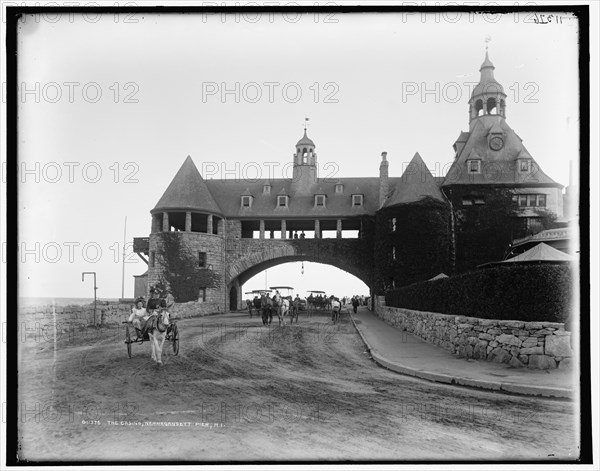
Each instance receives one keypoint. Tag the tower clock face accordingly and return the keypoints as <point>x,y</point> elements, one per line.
<point>496,143</point>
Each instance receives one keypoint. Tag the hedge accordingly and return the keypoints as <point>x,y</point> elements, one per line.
<point>532,292</point>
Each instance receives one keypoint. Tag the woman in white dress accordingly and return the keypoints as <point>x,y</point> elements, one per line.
<point>138,314</point>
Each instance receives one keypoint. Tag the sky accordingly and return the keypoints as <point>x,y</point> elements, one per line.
<point>111,105</point>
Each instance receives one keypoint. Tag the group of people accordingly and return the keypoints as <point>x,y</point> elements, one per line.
<point>142,310</point>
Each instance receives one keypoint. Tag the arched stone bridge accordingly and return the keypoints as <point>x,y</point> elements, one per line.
<point>248,257</point>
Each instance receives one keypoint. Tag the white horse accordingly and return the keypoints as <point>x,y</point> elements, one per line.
<point>283,307</point>
<point>157,331</point>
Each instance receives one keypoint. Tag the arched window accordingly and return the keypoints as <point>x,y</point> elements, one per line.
<point>491,106</point>
<point>478,108</point>
<point>502,108</point>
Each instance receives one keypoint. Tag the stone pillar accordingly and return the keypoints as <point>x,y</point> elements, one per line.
<point>262,229</point>
<point>338,233</point>
<point>165,222</point>
<point>155,224</point>
<point>188,221</point>
<point>317,229</point>
<point>283,230</point>
<point>209,224</point>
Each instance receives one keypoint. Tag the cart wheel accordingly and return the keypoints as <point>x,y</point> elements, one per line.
<point>128,340</point>
<point>175,339</point>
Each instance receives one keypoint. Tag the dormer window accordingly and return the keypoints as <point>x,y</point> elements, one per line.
<point>320,201</point>
<point>282,201</point>
<point>246,201</point>
<point>339,188</point>
<point>266,189</point>
<point>474,166</point>
<point>524,165</point>
<point>357,200</point>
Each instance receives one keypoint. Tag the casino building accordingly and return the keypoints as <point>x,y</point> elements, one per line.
<point>386,230</point>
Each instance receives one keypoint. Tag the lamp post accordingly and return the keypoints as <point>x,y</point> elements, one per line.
<point>95,288</point>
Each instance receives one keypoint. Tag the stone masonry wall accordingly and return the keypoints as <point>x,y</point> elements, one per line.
<point>40,320</point>
<point>539,345</point>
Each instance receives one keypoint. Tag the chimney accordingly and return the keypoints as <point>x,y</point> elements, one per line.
<point>383,179</point>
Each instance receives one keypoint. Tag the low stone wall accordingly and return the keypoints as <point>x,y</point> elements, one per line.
<point>107,314</point>
<point>539,345</point>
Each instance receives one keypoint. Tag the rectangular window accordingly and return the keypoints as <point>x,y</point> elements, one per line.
<point>357,200</point>
<point>201,259</point>
<point>531,200</point>
<point>320,200</point>
<point>267,189</point>
<point>393,253</point>
<point>541,201</point>
<point>339,188</point>
<point>282,201</point>
<point>474,166</point>
<point>246,201</point>
<point>393,224</point>
<point>152,257</point>
<point>467,201</point>
<point>202,295</point>
<point>524,166</point>
<point>479,200</point>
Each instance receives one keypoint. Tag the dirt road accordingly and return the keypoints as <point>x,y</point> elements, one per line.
<point>239,391</point>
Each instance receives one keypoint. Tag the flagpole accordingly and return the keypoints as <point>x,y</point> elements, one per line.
<point>123,269</point>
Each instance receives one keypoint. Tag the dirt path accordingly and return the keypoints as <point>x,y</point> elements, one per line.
<point>239,391</point>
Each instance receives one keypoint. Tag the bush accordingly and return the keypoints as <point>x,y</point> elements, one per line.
<point>534,292</point>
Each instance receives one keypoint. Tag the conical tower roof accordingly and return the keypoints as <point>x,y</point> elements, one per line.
<point>487,82</point>
<point>415,184</point>
<point>188,191</point>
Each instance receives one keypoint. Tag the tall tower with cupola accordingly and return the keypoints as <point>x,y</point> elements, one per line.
<point>491,164</point>
<point>488,97</point>
<point>305,165</point>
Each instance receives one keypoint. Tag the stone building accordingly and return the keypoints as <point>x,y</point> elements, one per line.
<point>217,234</point>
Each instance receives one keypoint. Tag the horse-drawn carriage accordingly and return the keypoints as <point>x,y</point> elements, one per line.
<point>158,328</point>
<point>171,335</point>
<point>254,305</point>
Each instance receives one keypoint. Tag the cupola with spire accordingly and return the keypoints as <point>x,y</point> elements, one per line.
<point>305,164</point>
<point>488,97</point>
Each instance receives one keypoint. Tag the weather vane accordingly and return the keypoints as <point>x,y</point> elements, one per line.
<point>488,38</point>
<point>305,123</point>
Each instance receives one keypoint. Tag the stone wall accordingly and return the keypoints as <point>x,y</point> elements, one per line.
<point>35,320</point>
<point>539,345</point>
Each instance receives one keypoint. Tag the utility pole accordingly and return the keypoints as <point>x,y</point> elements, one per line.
<point>123,270</point>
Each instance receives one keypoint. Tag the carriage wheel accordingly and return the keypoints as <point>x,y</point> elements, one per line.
<point>128,340</point>
<point>175,339</point>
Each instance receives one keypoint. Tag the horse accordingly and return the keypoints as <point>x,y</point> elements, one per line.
<point>283,307</point>
<point>335,309</point>
<point>156,327</point>
<point>266,304</point>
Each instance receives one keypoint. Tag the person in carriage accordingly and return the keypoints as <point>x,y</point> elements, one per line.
<point>154,306</point>
<point>138,314</point>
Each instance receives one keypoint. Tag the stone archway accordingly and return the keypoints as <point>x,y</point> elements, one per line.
<point>248,257</point>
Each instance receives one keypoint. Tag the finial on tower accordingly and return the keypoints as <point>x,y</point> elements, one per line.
<point>305,124</point>
<point>488,38</point>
